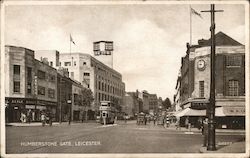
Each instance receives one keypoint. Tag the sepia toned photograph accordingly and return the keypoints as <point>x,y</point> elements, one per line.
<point>124,79</point>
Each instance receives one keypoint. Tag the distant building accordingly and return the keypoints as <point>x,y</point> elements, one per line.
<point>153,103</point>
<point>229,80</point>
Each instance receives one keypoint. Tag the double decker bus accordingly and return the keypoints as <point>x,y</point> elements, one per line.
<point>107,112</point>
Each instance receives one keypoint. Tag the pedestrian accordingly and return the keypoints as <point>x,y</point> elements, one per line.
<point>199,123</point>
<point>205,132</point>
<point>69,119</point>
<point>29,116</point>
<point>145,120</point>
<point>177,124</point>
<point>43,118</point>
<point>154,119</point>
<point>186,122</point>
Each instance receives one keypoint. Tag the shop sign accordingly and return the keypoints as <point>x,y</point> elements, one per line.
<point>17,101</point>
<point>16,107</point>
<point>31,102</point>
<point>30,106</point>
<point>40,107</point>
<point>234,111</point>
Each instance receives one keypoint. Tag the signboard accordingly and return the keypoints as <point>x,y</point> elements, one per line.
<point>102,108</point>
<point>234,111</point>
<point>30,106</point>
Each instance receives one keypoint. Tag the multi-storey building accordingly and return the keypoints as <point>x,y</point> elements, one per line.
<point>229,80</point>
<point>29,84</point>
<point>105,82</point>
<point>153,103</point>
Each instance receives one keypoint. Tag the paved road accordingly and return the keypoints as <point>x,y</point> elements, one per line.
<point>94,138</point>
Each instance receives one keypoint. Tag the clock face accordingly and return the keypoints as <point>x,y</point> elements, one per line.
<point>201,65</point>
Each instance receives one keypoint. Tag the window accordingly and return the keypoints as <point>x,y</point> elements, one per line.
<point>99,85</point>
<point>84,63</point>
<point>51,63</point>
<point>41,75</point>
<point>201,89</point>
<point>74,63</point>
<point>234,60</point>
<point>52,78</point>
<point>16,69</point>
<point>29,88</point>
<point>16,86</point>
<point>72,75</point>
<point>86,74</point>
<point>76,98</point>
<point>67,63</point>
<point>41,90</point>
<point>51,93</point>
<point>233,88</point>
<point>60,63</point>
<point>29,73</point>
<point>99,97</point>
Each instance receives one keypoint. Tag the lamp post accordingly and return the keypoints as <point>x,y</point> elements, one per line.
<point>211,108</point>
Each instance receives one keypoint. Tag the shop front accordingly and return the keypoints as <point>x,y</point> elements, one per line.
<point>20,109</point>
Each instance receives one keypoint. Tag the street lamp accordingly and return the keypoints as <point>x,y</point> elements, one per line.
<point>211,107</point>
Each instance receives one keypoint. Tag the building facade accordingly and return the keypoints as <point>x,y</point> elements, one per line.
<point>30,85</point>
<point>105,82</point>
<point>229,80</point>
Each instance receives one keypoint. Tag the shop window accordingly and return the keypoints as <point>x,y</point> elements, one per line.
<point>201,89</point>
<point>234,60</point>
<point>233,88</point>
<point>41,90</point>
<point>16,87</point>
<point>16,69</point>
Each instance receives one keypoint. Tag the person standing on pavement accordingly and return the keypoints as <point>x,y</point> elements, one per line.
<point>187,122</point>
<point>43,119</point>
<point>154,119</point>
<point>29,116</point>
<point>205,132</point>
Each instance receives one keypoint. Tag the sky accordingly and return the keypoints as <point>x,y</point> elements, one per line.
<point>149,40</point>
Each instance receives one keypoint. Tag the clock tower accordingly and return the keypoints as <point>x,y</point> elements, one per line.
<point>103,51</point>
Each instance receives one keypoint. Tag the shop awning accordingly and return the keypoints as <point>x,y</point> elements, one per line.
<point>219,112</point>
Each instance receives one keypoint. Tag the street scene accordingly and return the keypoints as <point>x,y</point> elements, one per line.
<point>151,78</point>
<point>118,138</point>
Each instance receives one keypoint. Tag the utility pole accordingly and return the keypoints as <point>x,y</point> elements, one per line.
<point>211,108</point>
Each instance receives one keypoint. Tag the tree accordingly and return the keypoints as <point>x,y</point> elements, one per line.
<point>166,103</point>
<point>87,99</point>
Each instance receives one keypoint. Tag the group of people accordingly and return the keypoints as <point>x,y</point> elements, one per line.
<point>27,117</point>
<point>46,117</point>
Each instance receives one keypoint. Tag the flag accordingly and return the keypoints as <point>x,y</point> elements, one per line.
<point>71,40</point>
<point>195,12</point>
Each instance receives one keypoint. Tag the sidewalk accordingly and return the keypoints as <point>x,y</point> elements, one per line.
<point>236,147</point>
<point>19,124</point>
<point>196,130</point>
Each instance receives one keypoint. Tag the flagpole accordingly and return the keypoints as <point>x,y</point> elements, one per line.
<point>190,25</point>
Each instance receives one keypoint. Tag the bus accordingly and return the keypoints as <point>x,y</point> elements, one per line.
<point>107,112</point>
